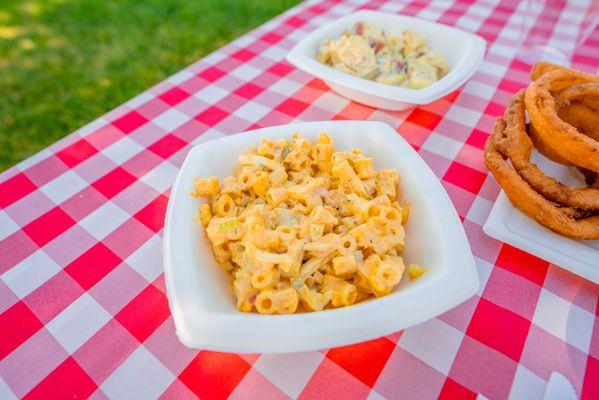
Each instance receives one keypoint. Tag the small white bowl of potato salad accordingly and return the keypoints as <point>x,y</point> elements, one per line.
<point>311,235</point>
<point>389,61</point>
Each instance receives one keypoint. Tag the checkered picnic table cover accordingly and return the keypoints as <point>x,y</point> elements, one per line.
<point>82,294</point>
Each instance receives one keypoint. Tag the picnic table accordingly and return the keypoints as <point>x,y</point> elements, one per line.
<point>83,309</point>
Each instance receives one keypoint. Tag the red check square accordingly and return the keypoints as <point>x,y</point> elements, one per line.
<point>292,107</point>
<point>465,177</point>
<point>499,328</point>
<point>47,227</point>
<point>212,375</point>
<point>174,96</point>
<point>494,109</point>
<point>477,139</point>
<point>590,386</point>
<point>130,122</point>
<point>248,91</point>
<point>17,324</point>
<point>364,360</point>
<point>211,116</point>
<point>243,55</point>
<point>93,265</point>
<point>66,381</point>
<point>152,215</point>
<point>523,264</point>
<point>510,86</point>
<point>145,313</point>
<point>14,189</point>
<point>113,182</point>
<point>318,84</point>
<point>424,118</point>
<point>271,37</point>
<point>211,74</point>
<point>280,69</point>
<point>167,146</point>
<point>453,390</point>
<point>295,21</point>
<point>76,153</point>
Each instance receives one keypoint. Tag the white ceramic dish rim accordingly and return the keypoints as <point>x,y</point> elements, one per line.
<point>468,65</point>
<point>336,327</point>
<point>532,241</point>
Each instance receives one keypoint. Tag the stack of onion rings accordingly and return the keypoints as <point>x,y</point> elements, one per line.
<point>563,106</point>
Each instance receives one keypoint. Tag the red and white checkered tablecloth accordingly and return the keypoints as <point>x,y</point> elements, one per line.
<point>83,310</point>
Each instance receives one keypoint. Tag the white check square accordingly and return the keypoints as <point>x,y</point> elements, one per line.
<point>122,150</point>
<point>64,186</point>
<point>527,385</point>
<point>141,376</point>
<point>289,372</point>
<point>463,115</point>
<point>565,320</point>
<point>139,100</point>
<point>479,211</point>
<point>286,87</point>
<point>469,24</point>
<point>479,89</point>
<point>494,69</point>
<point>171,119</point>
<point>442,145</point>
<point>30,273</point>
<point>161,177</point>
<point>5,392</point>
<point>246,72</point>
<point>484,270</point>
<point>147,260</point>
<point>434,342</point>
<point>374,395</point>
<point>274,53</point>
<point>251,111</point>
<point>78,322</point>
<point>207,136</point>
<point>501,50</point>
<point>211,94</point>
<point>429,14</point>
<point>7,225</point>
<point>180,77</point>
<point>104,220</point>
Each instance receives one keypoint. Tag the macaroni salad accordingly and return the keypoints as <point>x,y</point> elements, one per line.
<point>367,52</point>
<point>302,227</point>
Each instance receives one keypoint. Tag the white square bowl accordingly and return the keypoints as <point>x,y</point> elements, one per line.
<point>199,291</point>
<point>463,51</point>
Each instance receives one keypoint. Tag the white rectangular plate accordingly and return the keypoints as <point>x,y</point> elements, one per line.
<point>508,224</point>
<point>199,291</point>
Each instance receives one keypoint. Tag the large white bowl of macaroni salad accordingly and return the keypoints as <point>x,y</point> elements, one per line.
<point>307,236</point>
<point>389,61</point>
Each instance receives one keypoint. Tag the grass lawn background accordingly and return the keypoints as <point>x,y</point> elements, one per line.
<point>64,63</point>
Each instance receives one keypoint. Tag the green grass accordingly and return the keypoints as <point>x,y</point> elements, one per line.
<point>64,63</point>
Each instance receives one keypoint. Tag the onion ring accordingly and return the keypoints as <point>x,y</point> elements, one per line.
<point>531,203</point>
<point>517,146</point>
<point>585,93</point>
<point>563,138</point>
<point>583,118</point>
<point>579,106</point>
<point>541,68</point>
<point>591,178</point>
<point>545,150</point>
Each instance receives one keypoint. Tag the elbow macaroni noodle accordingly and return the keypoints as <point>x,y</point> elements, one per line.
<point>302,227</point>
